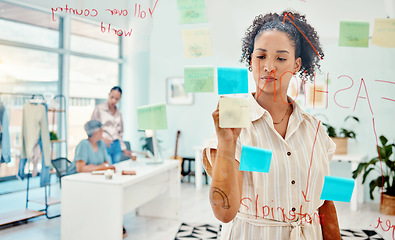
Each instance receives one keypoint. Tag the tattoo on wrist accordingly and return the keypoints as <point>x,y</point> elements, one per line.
<point>225,199</point>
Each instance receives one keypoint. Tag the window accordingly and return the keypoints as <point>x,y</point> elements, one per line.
<point>24,25</point>
<point>29,64</point>
<point>94,66</point>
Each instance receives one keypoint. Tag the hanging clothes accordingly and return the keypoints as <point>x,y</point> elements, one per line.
<point>5,142</point>
<point>34,126</point>
<point>45,170</point>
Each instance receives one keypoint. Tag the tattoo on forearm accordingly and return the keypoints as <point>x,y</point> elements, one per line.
<point>225,199</point>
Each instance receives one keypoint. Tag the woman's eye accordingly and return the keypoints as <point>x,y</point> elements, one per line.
<point>260,57</point>
<point>282,59</point>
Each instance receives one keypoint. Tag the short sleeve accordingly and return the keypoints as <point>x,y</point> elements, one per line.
<point>81,152</point>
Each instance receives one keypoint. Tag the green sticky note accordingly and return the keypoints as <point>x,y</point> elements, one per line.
<point>354,34</point>
<point>152,117</point>
<point>199,79</point>
<point>192,11</point>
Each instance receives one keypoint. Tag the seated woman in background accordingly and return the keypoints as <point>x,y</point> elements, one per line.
<point>91,154</point>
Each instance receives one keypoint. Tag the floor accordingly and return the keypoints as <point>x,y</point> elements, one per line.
<point>195,208</point>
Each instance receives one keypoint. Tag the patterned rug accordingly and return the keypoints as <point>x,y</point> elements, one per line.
<point>203,232</point>
<point>212,231</point>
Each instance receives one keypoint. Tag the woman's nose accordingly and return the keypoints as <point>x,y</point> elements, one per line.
<point>268,67</point>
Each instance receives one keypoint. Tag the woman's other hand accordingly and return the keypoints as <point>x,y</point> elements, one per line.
<point>107,141</point>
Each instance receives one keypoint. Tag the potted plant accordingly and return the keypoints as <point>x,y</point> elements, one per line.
<point>386,178</point>
<point>341,139</point>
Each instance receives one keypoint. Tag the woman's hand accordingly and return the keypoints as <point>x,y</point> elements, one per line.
<point>106,166</point>
<point>226,135</point>
<point>130,154</point>
<point>107,141</point>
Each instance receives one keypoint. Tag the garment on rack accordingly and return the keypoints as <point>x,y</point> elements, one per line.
<point>36,157</point>
<point>34,125</point>
<point>45,170</point>
<point>5,142</point>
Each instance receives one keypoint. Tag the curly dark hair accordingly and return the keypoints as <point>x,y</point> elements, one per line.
<point>303,49</point>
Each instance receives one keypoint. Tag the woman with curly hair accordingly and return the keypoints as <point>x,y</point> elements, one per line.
<point>285,202</point>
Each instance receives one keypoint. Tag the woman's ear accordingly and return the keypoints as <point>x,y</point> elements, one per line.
<point>298,64</point>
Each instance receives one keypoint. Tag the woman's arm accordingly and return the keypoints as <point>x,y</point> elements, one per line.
<point>329,224</point>
<point>81,166</point>
<point>227,181</point>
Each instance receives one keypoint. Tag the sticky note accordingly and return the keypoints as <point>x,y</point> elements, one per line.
<point>197,42</point>
<point>254,159</point>
<point>354,34</point>
<point>199,79</point>
<point>234,113</point>
<point>152,117</point>
<point>384,32</point>
<point>192,11</point>
<point>232,80</point>
<point>337,189</point>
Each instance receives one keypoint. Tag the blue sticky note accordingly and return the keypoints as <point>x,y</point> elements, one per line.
<point>255,159</point>
<point>232,80</point>
<point>337,189</point>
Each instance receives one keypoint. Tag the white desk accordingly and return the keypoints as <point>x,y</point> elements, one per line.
<point>355,159</point>
<point>93,207</point>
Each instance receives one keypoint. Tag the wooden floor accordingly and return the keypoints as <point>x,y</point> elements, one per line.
<point>195,208</point>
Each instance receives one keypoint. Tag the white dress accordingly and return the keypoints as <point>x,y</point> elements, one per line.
<point>283,203</point>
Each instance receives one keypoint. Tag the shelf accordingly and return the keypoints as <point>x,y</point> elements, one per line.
<point>18,215</point>
<point>58,141</point>
<point>55,110</point>
<point>50,200</point>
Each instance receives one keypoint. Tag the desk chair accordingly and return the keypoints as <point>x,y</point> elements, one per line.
<point>124,157</point>
<point>188,171</point>
<point>61,165</point>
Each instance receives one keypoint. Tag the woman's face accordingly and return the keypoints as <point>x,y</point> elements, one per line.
<point>273,59</point>
<point>98,135</point>
<point>113,98</point>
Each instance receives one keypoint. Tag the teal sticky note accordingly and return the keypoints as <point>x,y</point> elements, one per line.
<point>354,34</point>
<point>152,117</point>
<point>337,189</point>
<point>232,80</point>
<point>192,11</point>
<point>199,79</point>
<point>254,159</point>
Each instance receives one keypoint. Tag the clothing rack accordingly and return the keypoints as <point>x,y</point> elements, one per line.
<point>23,215</point>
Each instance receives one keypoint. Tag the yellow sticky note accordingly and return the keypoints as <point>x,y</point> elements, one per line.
<point>384,32</point>
<point>197,42</point>
<point>234,113</point>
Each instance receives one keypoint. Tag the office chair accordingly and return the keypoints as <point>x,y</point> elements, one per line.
<point>124,157</point>
<point>61,165</point>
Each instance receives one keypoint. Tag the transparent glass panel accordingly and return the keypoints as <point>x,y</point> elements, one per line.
<point>28,71</point>
<point>88,38</point>
<point>24,25</point>
<point>90,80</point>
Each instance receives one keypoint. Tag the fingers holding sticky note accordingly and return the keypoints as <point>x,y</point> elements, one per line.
<point>152,117</point>
<point>234,113</point>
<point>337,189</point>
<point>254,159</point>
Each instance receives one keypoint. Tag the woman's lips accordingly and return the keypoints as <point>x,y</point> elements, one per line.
<point>268,79</point>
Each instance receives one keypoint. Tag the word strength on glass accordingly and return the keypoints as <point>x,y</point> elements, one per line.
<point>138,11</point>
